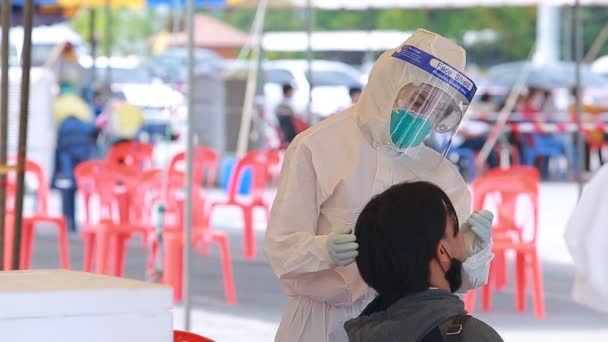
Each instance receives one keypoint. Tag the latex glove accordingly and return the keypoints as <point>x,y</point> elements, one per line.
<point>477,231</point>
<point>342,248</point>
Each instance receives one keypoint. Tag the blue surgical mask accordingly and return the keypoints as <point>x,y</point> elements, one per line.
<point>407,129</point>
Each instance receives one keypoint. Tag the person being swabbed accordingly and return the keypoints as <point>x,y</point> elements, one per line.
<point>334,168</point>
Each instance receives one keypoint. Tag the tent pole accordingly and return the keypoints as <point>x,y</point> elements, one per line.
<point>6,25</point>
<point>108,14</point>
<point>252,78</point>
<point>189,165</point>
<point>26,59</point>
<point>578,45</point>
<point>309,73</point>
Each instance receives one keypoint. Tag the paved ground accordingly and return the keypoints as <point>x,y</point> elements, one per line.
<point>261,300</point>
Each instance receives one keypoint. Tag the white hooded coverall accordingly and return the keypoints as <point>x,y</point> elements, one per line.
<point>329,174</point>
<point>586,238</point>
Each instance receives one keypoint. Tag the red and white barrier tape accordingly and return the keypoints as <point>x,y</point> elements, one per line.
<point>566,127</point>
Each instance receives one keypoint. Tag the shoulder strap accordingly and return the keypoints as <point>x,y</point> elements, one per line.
<point>453,333</point>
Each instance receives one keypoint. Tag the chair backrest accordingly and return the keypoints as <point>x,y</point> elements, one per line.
<point>85,174</point>
<point>183,336</point>
<point>507,191</point>
<point>205,163</point>
<point>515,170</point>
<point>260,163</point>
<point>34,170</point>
<point>113,186</point>
<point>133,154</point>
<point>155,186</point>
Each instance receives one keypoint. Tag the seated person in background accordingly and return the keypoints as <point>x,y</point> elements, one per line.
<point>473,135</point>
<point>411,252</point>
<point>285,115</point>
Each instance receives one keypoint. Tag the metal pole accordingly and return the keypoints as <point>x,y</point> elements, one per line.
<point>568,22</point>
<point>6,25</point>
<point>578,45</point>
<point>252,77</point>
<point>93,46</point>
<point>176,15</point>
<point>309,74</point>
<point>108,41</point>
<point>189,164</point>
<point>26,58</point>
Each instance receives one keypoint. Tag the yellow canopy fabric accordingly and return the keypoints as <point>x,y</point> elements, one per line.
<point>102,3</point>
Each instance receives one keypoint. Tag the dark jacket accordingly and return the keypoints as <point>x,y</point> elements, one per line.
<point>413,317</point>
<point>76,142</point>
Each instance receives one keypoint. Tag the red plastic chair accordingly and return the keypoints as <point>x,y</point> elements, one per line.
<point>500,260</point>
<point>516,171</point>
<point>86,173</point>
<point>510,235</point>
<point>133,154</point>
<point>183,336</point>
<point>172,195</point>
<point>260,162</point>
<point>41,215</point>
<point>205,165</point>
<point>107,239</point>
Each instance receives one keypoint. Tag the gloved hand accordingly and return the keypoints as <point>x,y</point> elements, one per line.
<point>477,231</point>
<point>342,248</point>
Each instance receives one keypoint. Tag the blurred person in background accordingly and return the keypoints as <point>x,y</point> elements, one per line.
<point>76,143</point>
<point>414,278</point>
<point>64,62</point>
<point>333,169</point>
<point>591,113</point>
<point>474,132</point>
<point>354,93</point>
<point>531,110</point>
<point>530,106</point>
<point>286,115</point>
<point>124,122</point>
<point>101,98</point>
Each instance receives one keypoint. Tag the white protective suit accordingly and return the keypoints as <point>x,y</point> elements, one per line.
<point>329,174</point>
<point>586,238</point>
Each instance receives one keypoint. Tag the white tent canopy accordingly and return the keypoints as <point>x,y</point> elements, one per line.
<point>334,40</point>
<point>420,4</point>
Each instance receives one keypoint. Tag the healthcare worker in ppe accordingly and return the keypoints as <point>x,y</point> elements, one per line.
<point>586,238</point>
<point>333,169</point>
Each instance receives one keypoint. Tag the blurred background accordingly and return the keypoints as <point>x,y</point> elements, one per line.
<point>106,74</point>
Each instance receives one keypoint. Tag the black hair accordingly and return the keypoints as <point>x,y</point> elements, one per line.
<point>485,97</point>
<point>353,90</point>
<point>287,88</point>
<point>398,232</point>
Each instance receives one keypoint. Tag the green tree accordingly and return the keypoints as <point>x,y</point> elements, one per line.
<point>129,31</point>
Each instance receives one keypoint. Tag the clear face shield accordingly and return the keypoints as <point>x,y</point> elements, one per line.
<point>429,112</point>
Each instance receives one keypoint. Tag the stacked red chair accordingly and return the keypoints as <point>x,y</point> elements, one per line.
<point>260,162</point>
<point>509,190</point>
<point>33,171</point>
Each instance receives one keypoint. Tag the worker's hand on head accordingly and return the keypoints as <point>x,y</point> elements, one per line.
<point>342,248</point>
<point>477,231</point>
